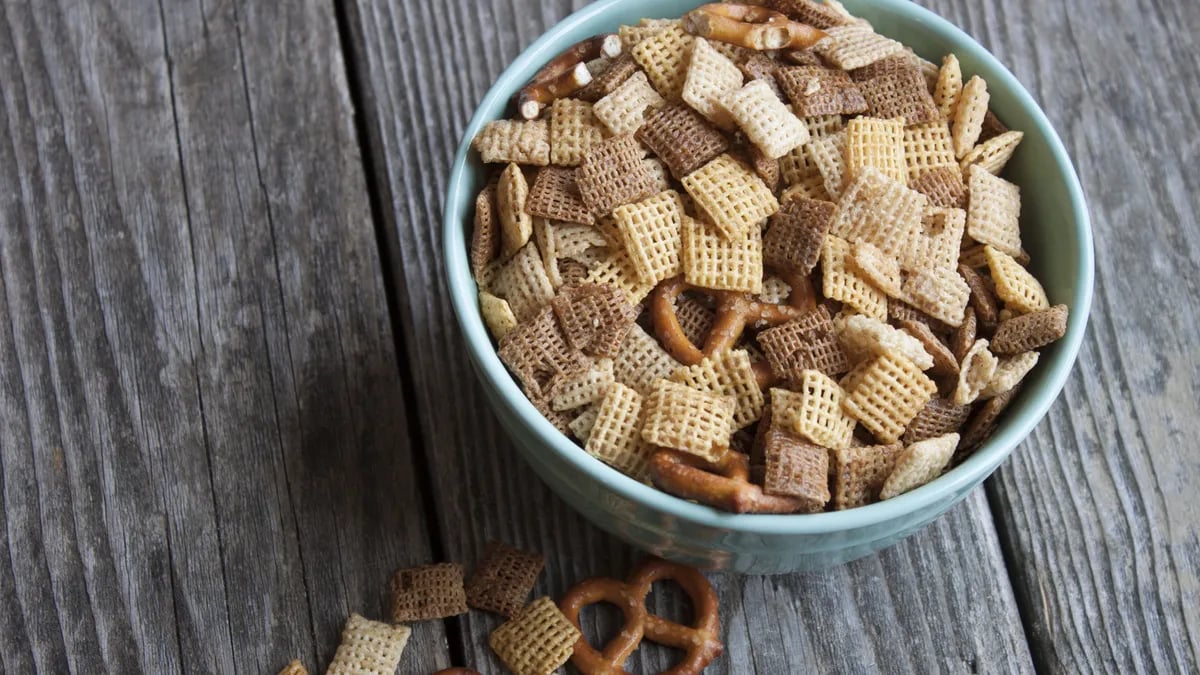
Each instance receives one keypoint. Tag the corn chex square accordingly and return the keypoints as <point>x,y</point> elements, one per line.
<point>574,129</point>
<point>731,195</point>
<point>880,210</point>
<point>969,114</point>
<point>948,87</point>
<point>855,46</point>
<point>888,393</point>
<point>517,141</point>
<point>537,640</point>
<point>928,147</point>
<point>876,143</point>
<point>994,211</point>
<point>581,425</point>
<point>689,420</point>
<point>841,284</point>
<point>941,294</point>
<point>651,232</point>
<point>765,120</point>
<point>641,361</point>
<point>616,436</point>
<point>994,153</point>
<point>523,282</point>
<point>1020,290</point>
<point>729,373</point>
<point>681,138</point>
<point>586,387</point>
<point>816,91</point>
<point>712,261</point>
<point>368,647</point>
<point>710,76</point>
<point>918,464</point>
<point>616,269</point>
<point>516,226</point>
<point>814,411</point>
<point>497,315</point>
<point>828,155</point>
<point>665,57</point>
<point>624,109</point>
<point>937,246</point>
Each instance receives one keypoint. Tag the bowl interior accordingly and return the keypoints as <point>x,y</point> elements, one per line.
<point>1055,230</point>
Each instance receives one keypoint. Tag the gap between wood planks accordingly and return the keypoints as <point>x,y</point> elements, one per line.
<point>387,244</point>
<point>349,34</point>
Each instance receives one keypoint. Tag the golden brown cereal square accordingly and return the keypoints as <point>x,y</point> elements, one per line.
<point>918,464</point>
<point>878,268</point>
<point>941,294</point>
<point>665,57</point>
<point>295,667</point>
<point>523,282</point>
<point>860,472</point>
<point>731,195</point>
<point>595,318</point>
<point>503,578</point>
<point>795,468</point>
<point>574,129</point>
<point>576,391</point>
<point>994,211</point>
<point>681,138</point>
<point>727,373</point>
<point>969,114</point>
<point>993,154</point>
<point>641,361</point>
<point>555,195</point>
<point>650,230</point>
<point>583,423</point>
<point>878,144</point>
<point>948,87</point>
<point>1030,331</point>
<point>616,269</point>
<point>516,226</point>
<point>612,174</point>
<point>1009,373</point>
<point>889,393</point>
<point>828,155</point>
<point>1019,289</point>
<point>710,76</point>
<point>864,337</point>
<point>816,90</point>
<point>368,648</point>
<point>927,147</point>
<point>765,120</point>
<point>714,262</point>
<point>497,315</point>
<point>841,284</point>
<point>689,420</point>
<point>428,592</point>
<point>939,242</point>
<point>519,141</point>
<point>535,641</point>
<point>623,110</point>
<point>878,209</point>
<point>796,233</point>
<point>854,46</point>
<point>615,437</point>
<point>815,410</point>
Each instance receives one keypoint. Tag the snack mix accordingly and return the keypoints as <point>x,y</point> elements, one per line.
<point>761,257</point>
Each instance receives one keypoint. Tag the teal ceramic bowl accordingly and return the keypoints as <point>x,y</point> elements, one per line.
<point>1056,232</point>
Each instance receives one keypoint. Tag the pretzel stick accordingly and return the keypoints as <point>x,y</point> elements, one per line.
<point>565,74</point>
<point>725,485</point>
<point>750,26</point>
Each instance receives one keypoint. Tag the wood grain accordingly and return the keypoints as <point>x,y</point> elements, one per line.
<point>418,89</point>
<point>202,431</point>
<point>1097,509</point>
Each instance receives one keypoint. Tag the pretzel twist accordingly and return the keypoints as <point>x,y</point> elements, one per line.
<point>750,26</point>
<point>565,74</point>
<point>724,485</point>
<point>734,312</point>
<point>700,641</point>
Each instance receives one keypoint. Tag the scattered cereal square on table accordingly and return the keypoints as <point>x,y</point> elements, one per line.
<point>731,195</point>
<point>887,395</point>
<point>681,138</point>
<point>688,420</point>
<point>710,76</point>
<point>503,579</point>
<point>612,174</point>
<point>876,143</point>
<point>765,120</point>
<point>518,141</point>
<point>815,91</point>
<point>535,641</point>
<point>624,109</point>
<point>555,195</point>
<point>664,56</point>
<point>715,262</point>
<point>615,437</point>
<point>994,211</point>
<point>368,648</point>
<point>860,473</point>
<point>428,592</point>
<point>814,411</point>
<point>728,373</point>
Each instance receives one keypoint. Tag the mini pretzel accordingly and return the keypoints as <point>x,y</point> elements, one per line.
<point>725,485</point>
<point>565,74</point>
<point>700,641</point>
<point>750,26</point>
<point>734,312</point>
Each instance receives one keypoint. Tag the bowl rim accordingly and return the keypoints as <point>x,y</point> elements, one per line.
<point>974,469</point>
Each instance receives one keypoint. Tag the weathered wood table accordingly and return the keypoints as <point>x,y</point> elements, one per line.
<point>233,398</point>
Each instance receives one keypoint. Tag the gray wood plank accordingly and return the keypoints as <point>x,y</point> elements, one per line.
<point>203,437</point>
<point>419,88</point>
<point>1098,507</point>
